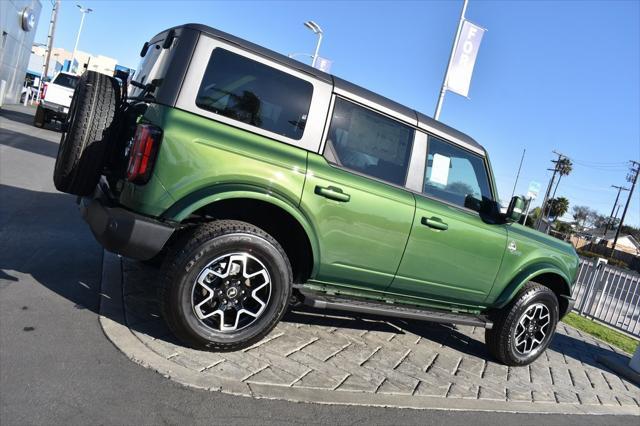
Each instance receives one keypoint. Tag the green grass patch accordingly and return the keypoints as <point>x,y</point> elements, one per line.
<point>602,332</point>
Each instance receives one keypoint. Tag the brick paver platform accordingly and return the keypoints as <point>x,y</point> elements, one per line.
<point>341,358</point>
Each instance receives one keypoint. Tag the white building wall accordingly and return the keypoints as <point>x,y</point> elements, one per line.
<point>15,45</point>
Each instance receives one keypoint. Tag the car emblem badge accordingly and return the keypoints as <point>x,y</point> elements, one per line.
<point>512,247</point>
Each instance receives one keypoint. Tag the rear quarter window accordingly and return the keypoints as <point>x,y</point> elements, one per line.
<point>256,94</point>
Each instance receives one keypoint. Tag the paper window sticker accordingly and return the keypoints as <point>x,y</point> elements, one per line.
<point>440,169</point>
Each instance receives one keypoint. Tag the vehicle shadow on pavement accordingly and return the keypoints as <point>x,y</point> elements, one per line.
<point>27,118</point>
<point>28,143</point>
<point>451,336</point>
<point>18,116</point>
<point>43,239</point>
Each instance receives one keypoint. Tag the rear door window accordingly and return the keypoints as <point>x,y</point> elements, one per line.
<point>368,142</point>
<point>256,94</point>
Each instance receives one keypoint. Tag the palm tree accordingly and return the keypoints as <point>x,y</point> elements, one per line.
<point>558,207</point>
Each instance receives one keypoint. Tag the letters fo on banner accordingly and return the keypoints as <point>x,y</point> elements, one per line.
<point>464,58</point>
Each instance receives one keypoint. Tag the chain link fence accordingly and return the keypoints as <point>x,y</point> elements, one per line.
<point>609,294</point>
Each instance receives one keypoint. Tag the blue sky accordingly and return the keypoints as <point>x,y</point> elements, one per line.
<point>549,75</point>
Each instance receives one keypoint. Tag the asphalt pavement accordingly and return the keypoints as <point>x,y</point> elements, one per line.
<point>56,365</point>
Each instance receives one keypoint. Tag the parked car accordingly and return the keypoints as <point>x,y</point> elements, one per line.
<point>55,99</point>
<point>257,181</point>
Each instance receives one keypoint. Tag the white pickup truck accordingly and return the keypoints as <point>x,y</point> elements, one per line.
<point>55,99</point>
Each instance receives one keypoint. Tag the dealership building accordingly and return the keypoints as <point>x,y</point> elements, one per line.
<point>18,21</point>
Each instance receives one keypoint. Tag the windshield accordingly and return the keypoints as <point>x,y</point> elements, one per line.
<point>66,80</point>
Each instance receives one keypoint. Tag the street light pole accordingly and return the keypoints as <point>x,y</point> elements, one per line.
<point>443,89</point>
<point>75,48</point>
<point>318,31</point>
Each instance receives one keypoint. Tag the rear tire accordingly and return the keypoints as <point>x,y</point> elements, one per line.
<point>39,118</point>
<point>87,130</point>
<point>218,270</point>
<point>523,330</point>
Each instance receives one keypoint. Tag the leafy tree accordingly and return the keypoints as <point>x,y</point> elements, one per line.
<point>580,214</point>
<point>533,216</point>
<point>563,227</point>
<point>558,207</point>
<point>584,216</point>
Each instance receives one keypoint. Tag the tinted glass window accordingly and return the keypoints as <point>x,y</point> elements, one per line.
<point>365,141</point>
<point>456,175</point>
<point>255,94</point>
<point>66,80</point>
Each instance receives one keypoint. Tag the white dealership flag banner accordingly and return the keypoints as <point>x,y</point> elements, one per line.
<point>464,58</point>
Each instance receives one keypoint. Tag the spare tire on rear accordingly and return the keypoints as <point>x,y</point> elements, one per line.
<point>90,124</point>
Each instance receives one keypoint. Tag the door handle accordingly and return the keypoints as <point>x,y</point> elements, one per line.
<point>332,193</point>
<point>435,223</point>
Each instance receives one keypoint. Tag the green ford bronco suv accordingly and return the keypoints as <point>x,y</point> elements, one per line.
<point>257,182</point>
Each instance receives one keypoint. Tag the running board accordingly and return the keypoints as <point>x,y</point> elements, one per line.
<point>322,301</point>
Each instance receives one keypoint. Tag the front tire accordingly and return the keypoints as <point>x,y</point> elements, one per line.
<point>225,286</point>
<point>523,330</point>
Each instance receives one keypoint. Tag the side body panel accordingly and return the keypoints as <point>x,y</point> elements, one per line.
<point>456,265</point>
<point>361,240</point>
<point>198,155</point>
<point>529,254</point>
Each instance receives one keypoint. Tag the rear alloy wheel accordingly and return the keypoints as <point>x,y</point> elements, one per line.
<point>226,284</point>
<point>231,292</point>
<point>88,127</point>
<point>523,330</point>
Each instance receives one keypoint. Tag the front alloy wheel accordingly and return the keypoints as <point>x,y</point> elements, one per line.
<point>523,329</point>
<point>532,328</point>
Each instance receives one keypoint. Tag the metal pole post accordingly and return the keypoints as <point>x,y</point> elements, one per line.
<point>47,55</point>
<point>518,174</point>
<point>526,213</point>
<point>75,48</point>
<point>315,54</point>
<point>443,88</point>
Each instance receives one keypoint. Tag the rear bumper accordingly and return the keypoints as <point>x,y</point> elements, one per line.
<point>55,109</point>
<point>122,231</point>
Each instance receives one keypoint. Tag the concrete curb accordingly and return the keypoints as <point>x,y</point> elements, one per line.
<point>112,320</point>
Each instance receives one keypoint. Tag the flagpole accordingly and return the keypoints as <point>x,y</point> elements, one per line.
<point>443,89</point>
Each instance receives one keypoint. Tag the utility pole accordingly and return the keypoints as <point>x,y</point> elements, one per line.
<point>47,55</point>
<point>443,89</point>
<point>611,216</point>
<point>543,208</point>
<point>633,178</point>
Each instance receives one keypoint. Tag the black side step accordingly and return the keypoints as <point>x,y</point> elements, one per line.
<point>323,301</point>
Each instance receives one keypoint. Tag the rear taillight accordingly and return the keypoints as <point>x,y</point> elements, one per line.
<point>143,153</point>
<point>44,91</point>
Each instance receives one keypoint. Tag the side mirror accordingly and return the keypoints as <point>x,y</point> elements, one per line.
<point>516,206</point>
